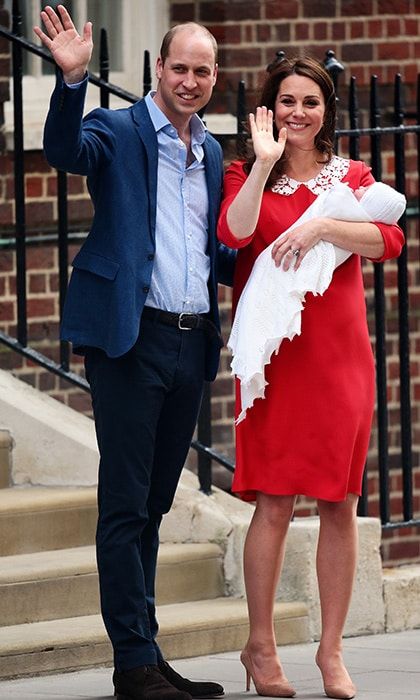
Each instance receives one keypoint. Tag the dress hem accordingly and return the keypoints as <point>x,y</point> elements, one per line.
<point>250,495</point>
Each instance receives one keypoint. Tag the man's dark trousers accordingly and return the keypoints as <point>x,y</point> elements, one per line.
<point>145,406</point>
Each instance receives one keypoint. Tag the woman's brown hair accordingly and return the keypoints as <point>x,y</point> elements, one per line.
<point>309,68</point>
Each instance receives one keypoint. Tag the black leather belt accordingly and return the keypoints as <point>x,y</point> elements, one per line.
<point>184,321</point>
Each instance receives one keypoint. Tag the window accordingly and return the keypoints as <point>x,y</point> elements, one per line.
<point>132,26</point>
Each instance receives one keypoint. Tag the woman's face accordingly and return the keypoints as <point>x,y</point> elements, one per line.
<point>300,107</point>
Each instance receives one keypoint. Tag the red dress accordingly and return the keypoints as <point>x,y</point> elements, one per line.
<point>310,434</point>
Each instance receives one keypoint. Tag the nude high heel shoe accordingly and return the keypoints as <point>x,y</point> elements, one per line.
<point>341,691</point>
<point>282,689</point>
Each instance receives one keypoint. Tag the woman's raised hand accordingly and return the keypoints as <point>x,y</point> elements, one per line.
<point>266,148</point>
<point>70,51</point>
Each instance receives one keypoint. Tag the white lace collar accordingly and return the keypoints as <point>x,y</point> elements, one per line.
<point>330,174</point>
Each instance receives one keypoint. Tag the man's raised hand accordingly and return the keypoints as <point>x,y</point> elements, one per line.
<point>70,51</point>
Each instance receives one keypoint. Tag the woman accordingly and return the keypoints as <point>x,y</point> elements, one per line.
<point>310,433</point>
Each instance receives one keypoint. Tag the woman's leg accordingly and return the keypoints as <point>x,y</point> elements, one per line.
<point>263,559</point>
<point>336,567</point>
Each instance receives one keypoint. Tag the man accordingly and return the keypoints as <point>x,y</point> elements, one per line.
<point>142,308</point>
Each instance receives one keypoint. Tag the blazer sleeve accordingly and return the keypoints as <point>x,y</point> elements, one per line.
<point>226,259</point>
<point>392,234</point>
<point>233,181</point>
<point>72,143</point>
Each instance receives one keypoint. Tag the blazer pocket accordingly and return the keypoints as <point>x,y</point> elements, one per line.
<point>97,264</point>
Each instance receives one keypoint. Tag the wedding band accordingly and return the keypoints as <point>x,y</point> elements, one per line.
<point>296,252</point>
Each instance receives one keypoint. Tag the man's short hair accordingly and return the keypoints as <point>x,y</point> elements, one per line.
<point>195,29</point>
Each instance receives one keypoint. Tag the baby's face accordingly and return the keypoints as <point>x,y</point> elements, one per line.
<point>360,192</point>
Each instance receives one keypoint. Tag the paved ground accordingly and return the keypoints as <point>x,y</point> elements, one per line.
<point>384,667</point>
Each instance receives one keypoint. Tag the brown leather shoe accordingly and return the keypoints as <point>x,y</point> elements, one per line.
<point>145,683</point>
<point>197,689</point>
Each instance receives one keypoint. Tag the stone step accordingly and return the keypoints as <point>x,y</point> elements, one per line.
<point>6,447</point>
<point>64,583</point>
<point>401,593</point>
<point>46,518</point>
<point>186,629</point>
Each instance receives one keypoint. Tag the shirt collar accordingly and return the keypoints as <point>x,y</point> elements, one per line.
<point>160,120</point>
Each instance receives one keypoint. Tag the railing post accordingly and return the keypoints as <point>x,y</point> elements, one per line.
<point>280,56</point>
<point>204,437</point>
<point>333,67</point>
<point>418,140</point>
<point>19,173</point>
<point>147,74</point>
<point>354,150</point>
<point>104,68</point>
<point>380,332</point>
<point>63,255</point>
<point>241,130</point>
<point>403,318</point>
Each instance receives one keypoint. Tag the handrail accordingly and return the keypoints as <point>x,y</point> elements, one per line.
<point>94,79</point>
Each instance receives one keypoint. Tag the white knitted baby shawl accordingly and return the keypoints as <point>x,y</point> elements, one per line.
<point>272,300</point>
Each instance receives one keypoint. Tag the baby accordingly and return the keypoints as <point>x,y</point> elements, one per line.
<point>381,202</point>
<point>271,302</point>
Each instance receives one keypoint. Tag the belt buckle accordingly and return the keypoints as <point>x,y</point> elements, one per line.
<point>180,319</point>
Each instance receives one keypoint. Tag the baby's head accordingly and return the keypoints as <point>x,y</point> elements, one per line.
<point>381,202</point>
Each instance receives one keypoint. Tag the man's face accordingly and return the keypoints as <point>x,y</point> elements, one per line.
<point>187,76</point>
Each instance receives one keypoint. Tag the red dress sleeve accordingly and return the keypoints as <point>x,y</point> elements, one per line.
<point>392,234</point>
<point>233,181</point>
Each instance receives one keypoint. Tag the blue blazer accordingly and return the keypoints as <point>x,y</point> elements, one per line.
<point>117,150</point>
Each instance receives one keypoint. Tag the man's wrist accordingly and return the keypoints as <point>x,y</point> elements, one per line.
<point>74,77</point>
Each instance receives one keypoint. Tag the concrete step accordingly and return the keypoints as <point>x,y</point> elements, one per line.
<point>186,629</point>
<point>6,448</point>
<point>40,519</point>
<point>401,593</point>
<point>64,583</point>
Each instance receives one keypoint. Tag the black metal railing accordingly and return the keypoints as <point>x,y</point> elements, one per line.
<point>376,133</point>
<point>352,136</point>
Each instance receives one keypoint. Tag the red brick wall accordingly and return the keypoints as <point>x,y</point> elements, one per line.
<point>249,35</point>
<point>368,36</point>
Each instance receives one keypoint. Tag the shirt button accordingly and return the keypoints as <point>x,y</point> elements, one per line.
<point>146,289</point>
<point>150,256</point>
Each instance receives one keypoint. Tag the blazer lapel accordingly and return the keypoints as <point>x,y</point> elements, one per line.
<point>146,132</point>
<point>212,167</point>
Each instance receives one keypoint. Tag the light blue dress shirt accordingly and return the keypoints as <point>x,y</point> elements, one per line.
<point>181,267</point>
